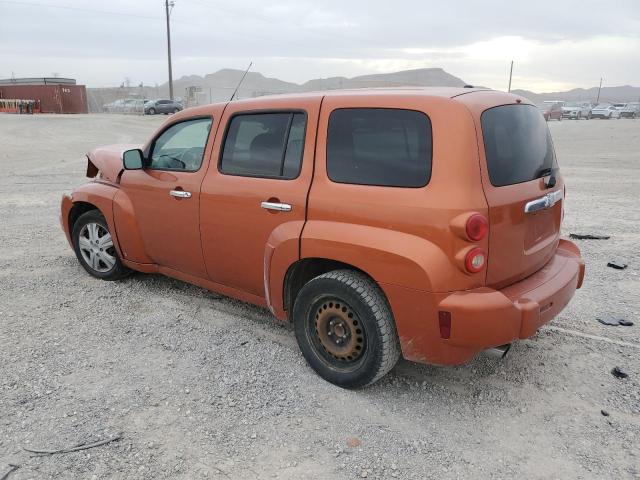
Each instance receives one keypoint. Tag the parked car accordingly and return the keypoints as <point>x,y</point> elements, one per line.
<point>631,110</point>
<point>577,110</point>
<point>605,111</point>
<point>151,107</point>
<point>551,110</point>
<point>349,215</point>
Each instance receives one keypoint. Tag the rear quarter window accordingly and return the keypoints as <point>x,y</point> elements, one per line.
<point>517,143</point>
<point>379,146</point>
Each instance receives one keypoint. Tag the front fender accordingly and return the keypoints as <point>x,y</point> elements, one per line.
<point>97,194</point>
<point>129,235</point>
<point>388,256</point>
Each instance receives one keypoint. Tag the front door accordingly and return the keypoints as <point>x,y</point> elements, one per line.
<point>166,194</point>
<point>257,194</point>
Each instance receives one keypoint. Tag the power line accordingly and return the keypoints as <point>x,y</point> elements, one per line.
<point>78,9</point>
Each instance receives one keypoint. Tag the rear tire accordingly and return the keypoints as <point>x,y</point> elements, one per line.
<point>345,328</point>
<point>95,249</point>
<point>152,111</point>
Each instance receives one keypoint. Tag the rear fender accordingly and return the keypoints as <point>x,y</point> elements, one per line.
<point>281,251</point>
<point>388,256</point>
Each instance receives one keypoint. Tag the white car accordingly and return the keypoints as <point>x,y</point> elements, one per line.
<point>577,110</point>
<point>605,111</point>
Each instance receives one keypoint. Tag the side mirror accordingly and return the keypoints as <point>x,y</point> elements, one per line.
<point>132,159</point>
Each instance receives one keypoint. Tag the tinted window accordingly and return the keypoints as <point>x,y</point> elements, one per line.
<point>264,145</point>
<point>517,144</point>
<point>375,146</point>
<point>181,146</point>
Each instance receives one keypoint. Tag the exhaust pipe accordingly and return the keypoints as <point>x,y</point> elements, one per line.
<point>500,351</point>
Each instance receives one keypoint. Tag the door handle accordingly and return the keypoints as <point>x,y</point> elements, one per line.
<point>180,194</point>
<point>278,207</point>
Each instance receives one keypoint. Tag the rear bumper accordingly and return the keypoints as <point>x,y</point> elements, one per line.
<point>485,318</point>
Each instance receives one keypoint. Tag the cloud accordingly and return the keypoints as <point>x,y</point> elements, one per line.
<point>554,44</point>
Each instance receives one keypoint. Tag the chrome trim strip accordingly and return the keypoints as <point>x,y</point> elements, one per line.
<point>542,203</point>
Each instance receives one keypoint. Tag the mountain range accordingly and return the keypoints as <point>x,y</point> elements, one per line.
<point>219,86</point>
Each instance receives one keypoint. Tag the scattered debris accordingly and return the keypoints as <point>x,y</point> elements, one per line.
<point>353,442</point>
<point>617,265</point>
<point>12,468</point>
<point>614,321</point>
<point>587,236</point>
<point>75,448</point>
<point>604,413</point>
<point>618,372</point>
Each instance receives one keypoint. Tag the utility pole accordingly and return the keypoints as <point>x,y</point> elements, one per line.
<point>510,74</point>
<point>599,88</point>
<point>167,6</point>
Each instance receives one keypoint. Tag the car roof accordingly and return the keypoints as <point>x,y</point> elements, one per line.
<point>479,94</point>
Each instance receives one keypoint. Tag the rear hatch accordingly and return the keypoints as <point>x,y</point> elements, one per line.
<point>525,209</point>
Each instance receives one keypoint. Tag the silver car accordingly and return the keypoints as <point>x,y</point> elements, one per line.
<point>631,110</point>
<point>605,111</point>
<point>576,110</point>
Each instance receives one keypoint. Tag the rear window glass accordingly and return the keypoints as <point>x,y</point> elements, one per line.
<point>517,144</point>
<point>379,146</point>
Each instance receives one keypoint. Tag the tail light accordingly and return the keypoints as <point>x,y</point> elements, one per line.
<point>475,260</point>
<point>477,227</point>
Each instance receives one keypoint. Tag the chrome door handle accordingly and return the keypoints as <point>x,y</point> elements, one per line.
<point>278,207</point>
<point>180,194</point>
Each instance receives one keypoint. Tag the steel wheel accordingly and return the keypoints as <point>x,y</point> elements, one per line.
<point>345,328</point>
<point>96,247</point>
<point>339,331</point>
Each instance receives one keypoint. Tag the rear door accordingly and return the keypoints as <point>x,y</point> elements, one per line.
<point>255,192</point>
<point>525,206</point>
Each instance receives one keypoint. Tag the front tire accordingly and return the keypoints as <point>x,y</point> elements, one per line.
<point>345,328</point>
<point>95,249</point>
<point>152,111</point>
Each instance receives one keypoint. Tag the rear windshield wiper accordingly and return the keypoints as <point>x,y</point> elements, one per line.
<point>550,171</point>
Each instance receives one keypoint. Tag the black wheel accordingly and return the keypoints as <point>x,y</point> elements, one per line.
<point>152,111</point>
<point>94,247</point>
<point>345,328</point>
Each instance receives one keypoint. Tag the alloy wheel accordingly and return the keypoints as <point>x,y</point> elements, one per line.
<point>96,247</point>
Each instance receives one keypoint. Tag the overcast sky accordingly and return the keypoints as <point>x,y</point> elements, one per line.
<point>556,44</point>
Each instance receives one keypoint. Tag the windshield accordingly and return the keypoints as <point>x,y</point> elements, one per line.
<point>573,104</point>
<point>517,144</point>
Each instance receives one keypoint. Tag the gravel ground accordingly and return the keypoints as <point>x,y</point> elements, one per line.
<point>202,386</point>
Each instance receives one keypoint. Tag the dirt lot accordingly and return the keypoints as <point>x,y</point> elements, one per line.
<point>202,386</point>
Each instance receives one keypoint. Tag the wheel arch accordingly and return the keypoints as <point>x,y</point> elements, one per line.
<point>304,270</point>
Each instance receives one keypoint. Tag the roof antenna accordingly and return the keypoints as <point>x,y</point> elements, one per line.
<point>240,82</point>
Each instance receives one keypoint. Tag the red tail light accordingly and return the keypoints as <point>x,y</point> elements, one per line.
<point>475,260</point>
<point>477,227</point>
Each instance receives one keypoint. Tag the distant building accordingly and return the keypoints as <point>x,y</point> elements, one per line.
<point>55,95</point>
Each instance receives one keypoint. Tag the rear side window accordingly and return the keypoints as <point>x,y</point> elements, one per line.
<point>517,144</point>
<point>379,146</point>
<point>264,145</point>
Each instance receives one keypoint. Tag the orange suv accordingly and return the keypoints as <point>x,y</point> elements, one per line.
<point>421,222</point>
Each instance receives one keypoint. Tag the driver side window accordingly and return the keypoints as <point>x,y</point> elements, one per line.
<point>181,146</point>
